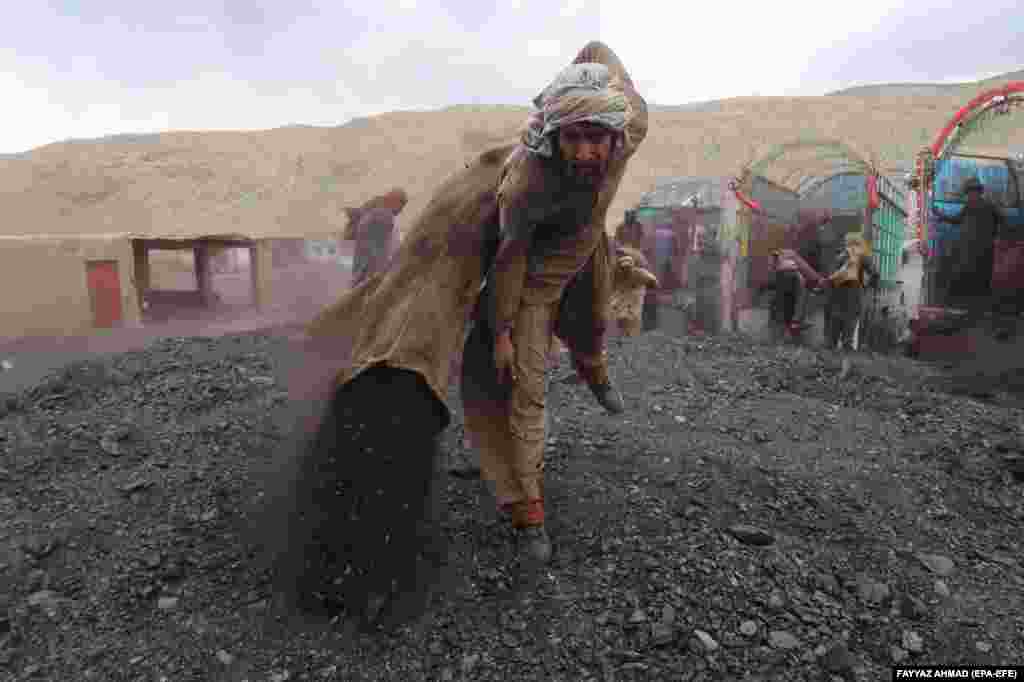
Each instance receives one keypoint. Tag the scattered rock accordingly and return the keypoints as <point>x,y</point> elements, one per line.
<point>912,642</point>
<point>43,599</point>
<point>638,616</point>
<point>783,639</point>
<point>40,547</point>
<point>167,603</point>
<point>705,575</point>
<point>837,659</point>
<point>707,642</point>
<point>172,572</point>
<point>751,535</point>
<point>1011,445</point>
<point>871,591</point>
<point>36,580</point>
<point>225,658</point>
<point>136,485</point>
<point>111,447</point>
<point>469,662</point>
<point>942,589</point>
<point>662,634</point>
<point>748,628</point>
<point>938,564</point>
<point>828,583</point>
<point>913,608</point>
<point>776,601</point>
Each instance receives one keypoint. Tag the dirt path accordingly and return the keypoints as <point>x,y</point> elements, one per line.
<point>32,358</point>
<point>749,518</point>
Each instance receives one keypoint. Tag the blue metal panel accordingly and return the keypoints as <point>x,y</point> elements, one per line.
<point>843,193</point>
<point>1001,185</point>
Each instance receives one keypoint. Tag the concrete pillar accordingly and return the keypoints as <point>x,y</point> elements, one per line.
<point>140,271</point>
<point>204,275</point>
<point>260,267</point>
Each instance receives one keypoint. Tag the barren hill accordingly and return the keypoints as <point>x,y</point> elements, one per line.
<point>929,89</point>
<point>295,180</point>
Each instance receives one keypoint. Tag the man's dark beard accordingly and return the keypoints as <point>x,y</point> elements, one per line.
<point>584,175</point>
<point>587,174</point>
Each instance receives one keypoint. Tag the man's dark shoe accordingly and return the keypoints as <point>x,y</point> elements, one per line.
<point>608,397</point>
<point>534,544</point>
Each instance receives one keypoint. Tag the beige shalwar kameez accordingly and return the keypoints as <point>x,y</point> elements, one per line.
<point>510,433</point>
<point>414,315</point>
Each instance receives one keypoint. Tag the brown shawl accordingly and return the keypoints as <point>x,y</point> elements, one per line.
<point>415,314</point>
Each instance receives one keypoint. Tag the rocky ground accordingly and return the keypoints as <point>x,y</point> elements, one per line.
<point>749,518</point>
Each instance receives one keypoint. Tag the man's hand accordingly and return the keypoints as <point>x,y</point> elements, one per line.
<point>505,357</point>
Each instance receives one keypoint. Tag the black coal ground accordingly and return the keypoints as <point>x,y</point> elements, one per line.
<point>890,510</point>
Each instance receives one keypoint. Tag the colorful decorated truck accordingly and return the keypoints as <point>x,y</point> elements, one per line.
<point>939,176</point>
<point>711,238</point>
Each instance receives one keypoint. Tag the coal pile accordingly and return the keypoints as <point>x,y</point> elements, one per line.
<point>750,517</point>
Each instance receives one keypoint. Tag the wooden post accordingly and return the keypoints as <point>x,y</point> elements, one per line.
<point>204,279</point>
<point>260,267</point>
<point>140,272</point>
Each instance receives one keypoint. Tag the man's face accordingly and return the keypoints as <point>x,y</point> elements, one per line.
<point>586,149</point>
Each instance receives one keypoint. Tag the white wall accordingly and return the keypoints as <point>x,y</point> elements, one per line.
<point>329,250</point>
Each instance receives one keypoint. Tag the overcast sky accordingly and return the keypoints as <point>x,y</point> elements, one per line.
<point>88,68</point>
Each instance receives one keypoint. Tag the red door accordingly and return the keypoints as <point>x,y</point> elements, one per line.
<point>104,292</point>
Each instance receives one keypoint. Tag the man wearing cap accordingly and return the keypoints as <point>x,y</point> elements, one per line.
<point>972,262</point>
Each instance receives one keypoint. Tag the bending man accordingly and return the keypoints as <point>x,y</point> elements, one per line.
<point>552,203</point>
<point>513,246</point>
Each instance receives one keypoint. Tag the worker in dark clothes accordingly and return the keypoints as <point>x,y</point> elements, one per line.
<point>972,262</point>
<point>372,226</point>
<point>810,250</point>
<point>789,291</point>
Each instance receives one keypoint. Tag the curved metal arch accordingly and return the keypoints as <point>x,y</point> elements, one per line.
<point>815,182</point>
<point>945,141</point>
<point>845,151</point>
<point>856,162</point>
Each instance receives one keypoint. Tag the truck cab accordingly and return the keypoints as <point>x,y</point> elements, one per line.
<point>1001,177</point>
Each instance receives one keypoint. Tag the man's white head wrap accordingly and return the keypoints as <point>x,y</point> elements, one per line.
<point>582,93</point>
